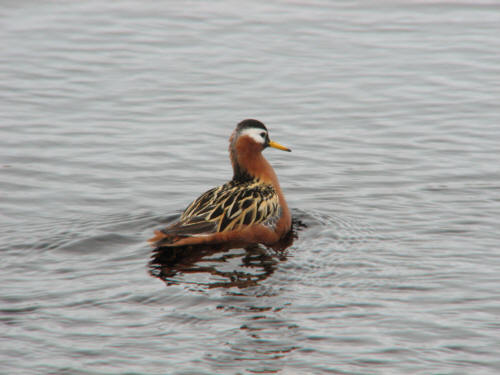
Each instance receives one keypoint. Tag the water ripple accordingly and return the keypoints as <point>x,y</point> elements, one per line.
<point>114,116</point>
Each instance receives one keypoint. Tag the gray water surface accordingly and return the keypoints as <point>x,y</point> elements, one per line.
<point>115,115</point>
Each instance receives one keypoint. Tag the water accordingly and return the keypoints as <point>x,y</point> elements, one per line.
<point>114,115</point>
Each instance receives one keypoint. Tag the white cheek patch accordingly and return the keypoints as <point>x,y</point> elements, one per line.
<point>255,134</point>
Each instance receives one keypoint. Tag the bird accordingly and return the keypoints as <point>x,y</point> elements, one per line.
<point>248,209</point>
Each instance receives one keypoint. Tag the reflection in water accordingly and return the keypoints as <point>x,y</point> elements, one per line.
<point>248,265</point>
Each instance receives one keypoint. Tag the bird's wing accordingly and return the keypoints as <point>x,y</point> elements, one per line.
<point>229,207</point>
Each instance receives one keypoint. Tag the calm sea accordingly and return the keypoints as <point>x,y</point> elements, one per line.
<point>115,115</point>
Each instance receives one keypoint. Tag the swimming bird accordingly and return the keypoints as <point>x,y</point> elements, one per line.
<point>251,208</point>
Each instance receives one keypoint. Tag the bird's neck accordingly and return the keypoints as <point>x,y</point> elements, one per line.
<point>249,163</point>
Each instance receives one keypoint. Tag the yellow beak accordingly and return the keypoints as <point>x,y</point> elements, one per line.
<point>278,146</point>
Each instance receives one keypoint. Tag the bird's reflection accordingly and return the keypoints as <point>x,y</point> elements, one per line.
<point>225,266</point>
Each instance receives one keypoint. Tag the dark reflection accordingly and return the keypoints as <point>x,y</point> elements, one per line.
<point>254,263</point>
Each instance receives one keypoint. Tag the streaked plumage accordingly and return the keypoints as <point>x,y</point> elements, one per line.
<point>235,204</point>
<point>249,208</point>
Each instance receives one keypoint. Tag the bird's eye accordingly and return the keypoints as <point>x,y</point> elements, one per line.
<point>263,135</point>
